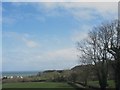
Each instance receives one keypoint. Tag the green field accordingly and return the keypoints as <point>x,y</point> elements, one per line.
<point>37,85</point>
<point>111,83</point>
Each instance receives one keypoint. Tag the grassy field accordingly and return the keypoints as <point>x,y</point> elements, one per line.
<point>111,83</point>
<point>37,85</point>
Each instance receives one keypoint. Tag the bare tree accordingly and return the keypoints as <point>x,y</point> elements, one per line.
<point>102,45</point>
<point>94,50</point>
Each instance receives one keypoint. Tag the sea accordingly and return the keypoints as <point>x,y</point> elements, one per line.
<point>20,73</point>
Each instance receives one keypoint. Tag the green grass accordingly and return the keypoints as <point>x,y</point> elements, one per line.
<point>111,83</point>
<point>37,85</point>
<point>93,83</point>
<point>0,85</point>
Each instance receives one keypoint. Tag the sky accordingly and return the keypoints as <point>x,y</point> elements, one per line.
<point>39,36</point>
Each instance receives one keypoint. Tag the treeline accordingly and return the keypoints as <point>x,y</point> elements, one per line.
<point>80,73</point>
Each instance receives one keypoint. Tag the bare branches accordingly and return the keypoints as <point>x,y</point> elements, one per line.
<point>102,45</point>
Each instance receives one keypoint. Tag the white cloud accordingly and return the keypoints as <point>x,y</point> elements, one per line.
<point>22,37</point>
<point>30,43</point>
<point>83,10</point>
<point>65,54</point>
<point>81,33</point>
<point>59,59</point>
<point>79,36</point>
<point>79,11</point>
<point>36,58</point>
<point>82,15</point>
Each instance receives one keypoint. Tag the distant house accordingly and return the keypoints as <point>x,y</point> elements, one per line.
<point>11,77</point>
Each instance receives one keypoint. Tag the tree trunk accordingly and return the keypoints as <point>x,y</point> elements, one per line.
<point>117,75</point>
<point>102,79</point>
<point>117,79</point>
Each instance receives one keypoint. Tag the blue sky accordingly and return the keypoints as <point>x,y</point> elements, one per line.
<point>42,36</point>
